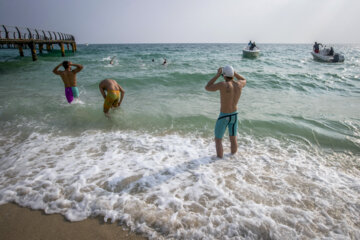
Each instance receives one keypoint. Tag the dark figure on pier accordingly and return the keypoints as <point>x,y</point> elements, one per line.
<point>69,78</point>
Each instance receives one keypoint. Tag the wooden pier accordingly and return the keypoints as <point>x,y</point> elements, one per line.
<point>20,38</point>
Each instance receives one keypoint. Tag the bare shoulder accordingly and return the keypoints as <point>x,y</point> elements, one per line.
<point>103,82</point>
<point>62,73</point>
<point>241,83</point>
<point>222,84</point>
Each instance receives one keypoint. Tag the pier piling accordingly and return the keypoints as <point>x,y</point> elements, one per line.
<point>62,49</point>
<point>40,48</point>
<point>21,52</point>
<point>33,51</point>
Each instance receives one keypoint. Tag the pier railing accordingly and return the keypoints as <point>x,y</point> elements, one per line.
<point>19,37</point>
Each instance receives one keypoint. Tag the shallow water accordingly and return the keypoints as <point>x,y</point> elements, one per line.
<point>152,165</point>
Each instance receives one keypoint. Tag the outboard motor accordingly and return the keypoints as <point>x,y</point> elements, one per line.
<point>336,57</point>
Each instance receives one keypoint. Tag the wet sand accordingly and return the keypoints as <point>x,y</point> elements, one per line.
<point>22,223</point>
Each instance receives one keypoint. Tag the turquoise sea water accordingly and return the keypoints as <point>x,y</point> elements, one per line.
<point>152,165</point>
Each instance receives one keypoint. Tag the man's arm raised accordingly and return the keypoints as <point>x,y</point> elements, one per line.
<point>210,85</point>
<point>241,79</point>
<point>78,68</point>
<point>56,69</point>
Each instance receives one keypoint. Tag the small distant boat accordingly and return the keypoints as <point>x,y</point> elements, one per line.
<point>86,44</point>
<point>251,53</point>
<point>325,56</point>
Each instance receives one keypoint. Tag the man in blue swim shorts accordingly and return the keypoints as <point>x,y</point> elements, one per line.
<point>69,78</point>
<point>230,92</point>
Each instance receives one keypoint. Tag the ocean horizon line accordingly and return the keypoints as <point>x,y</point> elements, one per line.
<point>269,43</point>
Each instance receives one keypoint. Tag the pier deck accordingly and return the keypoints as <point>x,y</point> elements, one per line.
<point>20,38</point>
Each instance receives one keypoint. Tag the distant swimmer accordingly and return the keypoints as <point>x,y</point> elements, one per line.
<point>230,92</point>
<point>114,94</point>
<point>153,60</point>
<point>112,60</point>
<point>69,78</point>
<point>165,62</point>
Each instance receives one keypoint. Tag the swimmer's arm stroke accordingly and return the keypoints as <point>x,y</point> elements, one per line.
<point>214,87</point>
<point>56,69</point>
<point>241,79</point>
<point>78,68</point>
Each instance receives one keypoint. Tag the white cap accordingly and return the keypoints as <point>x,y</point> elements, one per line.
<point>228,71</point>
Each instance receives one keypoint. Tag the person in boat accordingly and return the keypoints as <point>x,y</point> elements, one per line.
<point>252,46</point>
<point>249,44</point>
<point>331,52</point>
<point>316,47</point>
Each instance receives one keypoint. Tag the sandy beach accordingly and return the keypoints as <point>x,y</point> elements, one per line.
<point>22,223</point>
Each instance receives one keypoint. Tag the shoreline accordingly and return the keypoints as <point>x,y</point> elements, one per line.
<point>17,223</point>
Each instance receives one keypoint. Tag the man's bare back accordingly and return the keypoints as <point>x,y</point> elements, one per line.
<point>109,84</point>
<point>69,78</point>
<point>229,96</point>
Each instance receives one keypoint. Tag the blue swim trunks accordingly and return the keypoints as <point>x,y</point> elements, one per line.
<point>229,120</point>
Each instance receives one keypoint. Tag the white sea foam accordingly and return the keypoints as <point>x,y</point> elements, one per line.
<point>108,58</point>
<point>173,187</point>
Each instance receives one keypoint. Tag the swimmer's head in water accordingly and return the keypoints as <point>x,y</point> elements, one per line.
<point>66,64</point>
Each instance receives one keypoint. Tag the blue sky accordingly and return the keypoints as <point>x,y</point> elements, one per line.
<point>190,21</point>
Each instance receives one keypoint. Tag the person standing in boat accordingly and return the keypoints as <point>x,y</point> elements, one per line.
<point>316,47</point>
<point>252,46</point>
<point>331,52</point>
